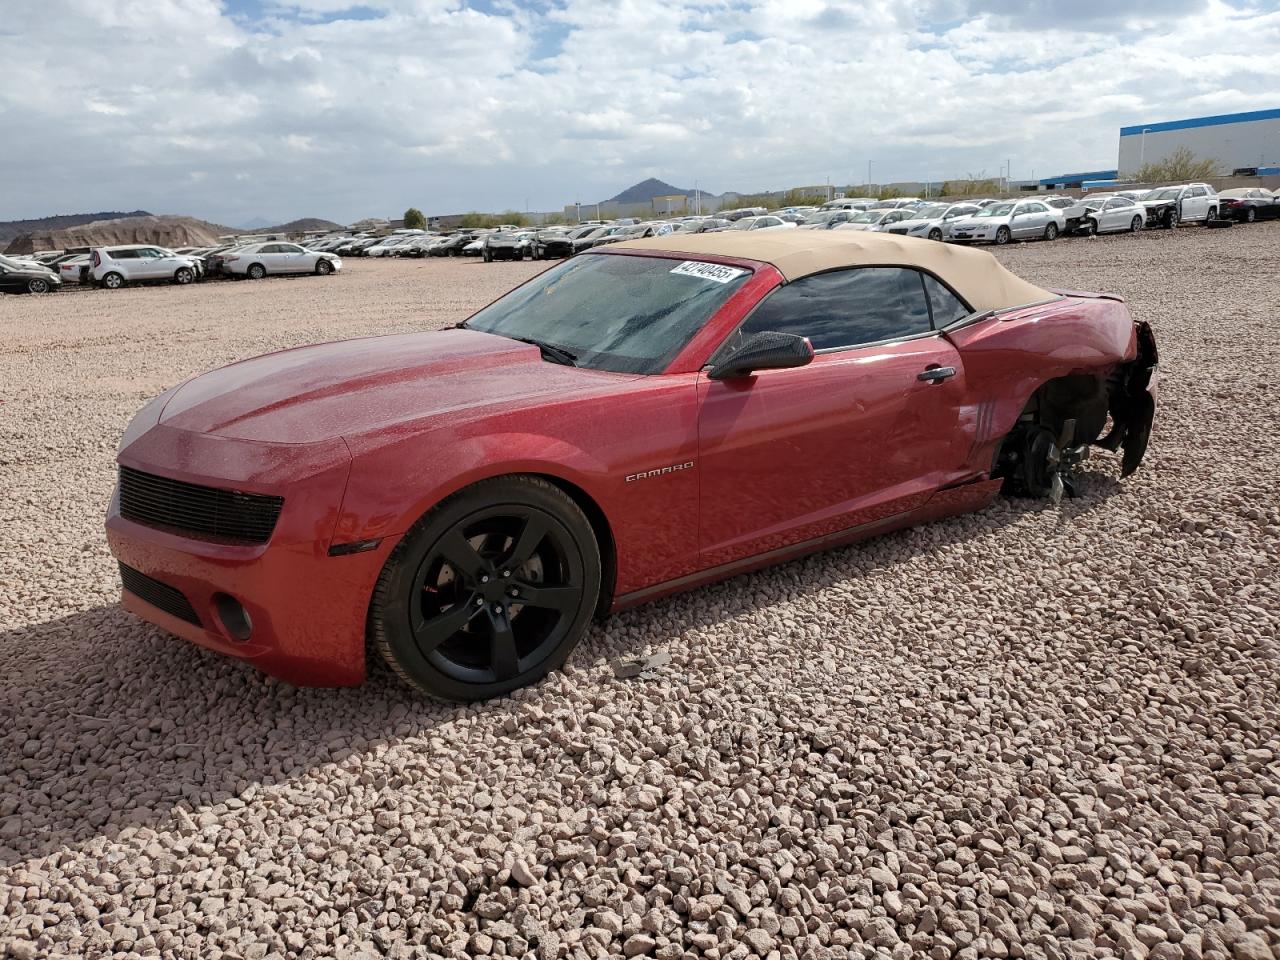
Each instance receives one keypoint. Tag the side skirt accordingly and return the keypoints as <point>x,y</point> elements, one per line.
<point>964,498</point>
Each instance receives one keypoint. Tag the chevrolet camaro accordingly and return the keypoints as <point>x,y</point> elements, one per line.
<point>634,421</point>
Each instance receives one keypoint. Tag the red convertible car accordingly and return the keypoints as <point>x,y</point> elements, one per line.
<point>635,421</point>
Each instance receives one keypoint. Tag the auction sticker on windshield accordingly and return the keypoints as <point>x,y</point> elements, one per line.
<point>716,272</point>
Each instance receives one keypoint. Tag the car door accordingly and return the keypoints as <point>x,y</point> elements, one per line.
<point>869,429</point>
<point>269,256</point>
<point>1195,204</point>
<point>291,258</point>
<point>1032,219</point>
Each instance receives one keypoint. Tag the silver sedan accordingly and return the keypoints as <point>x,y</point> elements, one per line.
<point>257,260</point>
<point>1009,220</point>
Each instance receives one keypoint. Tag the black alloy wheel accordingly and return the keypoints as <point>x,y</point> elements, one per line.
<point>489,592</point>
<point>37,285</point>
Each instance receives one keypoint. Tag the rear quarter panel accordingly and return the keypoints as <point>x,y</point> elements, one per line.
<point>1009,356</point>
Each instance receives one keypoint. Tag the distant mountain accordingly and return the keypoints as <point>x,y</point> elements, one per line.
<point>646,190</point>
<point>305,225</point>
<point>257,223</point>
<point>16,228</point>
<point>162,231</point>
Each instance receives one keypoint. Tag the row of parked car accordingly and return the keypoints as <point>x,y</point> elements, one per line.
<point>113,267</point>
<point>996,221</point>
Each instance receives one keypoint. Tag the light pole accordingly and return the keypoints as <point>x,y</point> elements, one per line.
<point>1142,149</point>
<point>868,176</point>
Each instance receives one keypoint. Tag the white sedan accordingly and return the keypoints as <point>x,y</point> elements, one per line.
<point>1111,214</point>
<point>257,260</point>
<point>762,223</point>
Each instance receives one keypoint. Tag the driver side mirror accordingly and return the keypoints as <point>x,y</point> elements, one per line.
<point>764,351</point>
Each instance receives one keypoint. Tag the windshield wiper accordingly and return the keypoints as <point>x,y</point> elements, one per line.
<point>551,352</point>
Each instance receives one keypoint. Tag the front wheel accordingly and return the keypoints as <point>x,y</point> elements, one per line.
<point>1003,236</point>
<point>324,267</point>
<point>1051,232</point>
<point>183,276</point>
<point>1211,216</point>
<point>935,234</point>
<point>1171,219</point>
<point>488,592</point>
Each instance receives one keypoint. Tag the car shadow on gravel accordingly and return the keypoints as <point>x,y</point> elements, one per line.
<point>102,748</point>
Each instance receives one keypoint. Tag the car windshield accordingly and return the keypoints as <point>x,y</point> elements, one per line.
<point>996,210</point>
<point>622,313</point>
<point>867,216</point>
<point>823,217</point>
<point>931,212</point>
<point>1168,193</point>
<point>746,223</point>
<point>13,264</point>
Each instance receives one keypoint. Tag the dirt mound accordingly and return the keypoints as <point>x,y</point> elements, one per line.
<point>164,231</point>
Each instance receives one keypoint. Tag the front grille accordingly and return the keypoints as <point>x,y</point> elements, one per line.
<point>158,594</point>
<point>195,509</point>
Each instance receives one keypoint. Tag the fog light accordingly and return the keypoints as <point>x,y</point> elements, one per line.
<point>234,617</point>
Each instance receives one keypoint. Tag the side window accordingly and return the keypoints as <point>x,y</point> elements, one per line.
<point>845,308</point>
<point>124,254</point>
<point>1197,192</point>
<point>947,308</point>
<point>269,248</point>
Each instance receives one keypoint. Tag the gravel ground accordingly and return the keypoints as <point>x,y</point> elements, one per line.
<point>1034,732</point>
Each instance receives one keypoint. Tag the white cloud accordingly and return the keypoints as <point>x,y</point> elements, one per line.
<point>306,107</point>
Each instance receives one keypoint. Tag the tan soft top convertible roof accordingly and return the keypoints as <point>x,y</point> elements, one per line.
<point>974,274</point>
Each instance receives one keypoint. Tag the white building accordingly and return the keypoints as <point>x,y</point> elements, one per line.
<point>1234,140</point>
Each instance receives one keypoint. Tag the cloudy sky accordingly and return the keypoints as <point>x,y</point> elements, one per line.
<point>236,109</point>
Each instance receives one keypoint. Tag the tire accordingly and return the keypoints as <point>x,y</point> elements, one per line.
<point>1135,224</point>
<point>1171,219</point>
<point>935,234</point>
<point>447,611</point>
<point>1211,216</point>
<point>112,281</point>
<point>323,267</point>
<point>1250,215</point>
<point>488,257</point>
<point>1051,231</point>
<point>1091,228</point>
<point>183,276</point>
<point>1003,236</point>
<point>256,271</point>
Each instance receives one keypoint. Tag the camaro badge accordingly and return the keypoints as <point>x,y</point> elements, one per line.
<point>646,474</point>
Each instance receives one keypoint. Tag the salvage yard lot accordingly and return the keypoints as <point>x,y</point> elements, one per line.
<point>1036,731</point>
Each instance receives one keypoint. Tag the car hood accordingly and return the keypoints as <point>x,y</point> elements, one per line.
<point>354,387</point>
<point>34,270</point>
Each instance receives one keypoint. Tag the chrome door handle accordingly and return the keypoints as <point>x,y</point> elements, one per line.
<point>936,374</point>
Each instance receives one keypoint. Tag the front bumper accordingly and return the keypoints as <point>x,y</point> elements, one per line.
<point>307,608</point>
